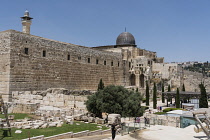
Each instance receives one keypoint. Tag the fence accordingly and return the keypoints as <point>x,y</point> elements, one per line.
<point>149,120</point>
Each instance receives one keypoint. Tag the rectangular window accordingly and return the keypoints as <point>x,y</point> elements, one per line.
<point>105,62</point>
<point>118,64</point>
<point>96,61</point>
<point>26,51</point>
<point>44,53</point>
<point>112,63</point>
<point>79,57</point>
<point>88,60</point>
<point>68,57</point>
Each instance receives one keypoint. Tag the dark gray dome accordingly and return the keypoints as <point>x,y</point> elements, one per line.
<point>125,38</point>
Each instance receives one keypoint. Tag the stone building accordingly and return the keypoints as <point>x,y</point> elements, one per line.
<point>33,63</point>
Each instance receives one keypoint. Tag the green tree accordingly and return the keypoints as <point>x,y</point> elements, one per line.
<point>115,99</point>
<point>147,94</point>
<point>177,99</point>
<point>163,99</point>
<point>203,103</point>
<point>169,89</point>
<point>183,87</point>
<point>154,96</point>
<point>132,107</point>
<point>93,105</point>
<point>100,85</point>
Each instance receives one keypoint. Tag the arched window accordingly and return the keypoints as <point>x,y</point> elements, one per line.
<point>142,80</point>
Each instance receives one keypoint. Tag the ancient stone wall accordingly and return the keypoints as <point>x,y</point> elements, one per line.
<point>4,64</point>
<point>50,97</point>
<point>38,64</point>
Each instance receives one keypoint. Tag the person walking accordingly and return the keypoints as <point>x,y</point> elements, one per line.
<point>113,127</point>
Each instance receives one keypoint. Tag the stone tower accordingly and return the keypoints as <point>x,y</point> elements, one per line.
<point>26,22</point>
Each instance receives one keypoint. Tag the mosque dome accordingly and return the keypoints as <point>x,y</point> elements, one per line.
<point>125,38</point>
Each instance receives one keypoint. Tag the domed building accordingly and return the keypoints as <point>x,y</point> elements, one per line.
<point>137,62</point>
<point>125,38</point>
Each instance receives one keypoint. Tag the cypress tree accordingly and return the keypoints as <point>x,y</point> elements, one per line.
<point>163,98</point>
<point>147,94</point>
<point>203,103</point>
<point>154,96</point>
<point>183,87</point>
<point>169,89</point>
<point>177,99</point>
<point>100,85</point>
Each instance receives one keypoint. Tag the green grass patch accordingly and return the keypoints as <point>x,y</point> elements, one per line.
<point>171,109</point>
<point>17,115</point>
<point>53,130</point>
<point>160,113</point>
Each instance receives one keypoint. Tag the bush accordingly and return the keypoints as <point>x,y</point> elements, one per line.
<point>160,113</point>
<point>144,100</point>
<point>171,109</point>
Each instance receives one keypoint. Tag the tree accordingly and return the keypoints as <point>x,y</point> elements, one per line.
<point>154,96</point>
<point>100,85</point>
<point>203,103</point>
<point>93,105</point>
<point>163,98</point>
<point>147,94</point>
<point>169,89</point>
<point>183,87</point>
<point>115,99</point>
<point>177,99</point>
<point>132,106</point>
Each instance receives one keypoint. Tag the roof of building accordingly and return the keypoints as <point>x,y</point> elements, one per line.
<point>125,38</point>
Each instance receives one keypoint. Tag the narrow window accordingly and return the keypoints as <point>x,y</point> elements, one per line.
<point>118,64</point>
<point>96,61</point>
<point>26,51</point>
<point>68,57</point>
<point>112,63</point>
<point>88,60</point>
<point>79,57</point>
<point>129,64</point>
<point>44,53</point>
<point>105,62</point>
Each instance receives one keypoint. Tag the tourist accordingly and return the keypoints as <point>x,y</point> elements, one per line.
<point>113,131</point>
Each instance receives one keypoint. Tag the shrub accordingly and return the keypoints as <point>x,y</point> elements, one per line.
<point>170,109</point>
<point>144,100</point>
<point>160,113</point>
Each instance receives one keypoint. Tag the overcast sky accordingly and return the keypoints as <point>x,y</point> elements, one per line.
<point>178,30</point>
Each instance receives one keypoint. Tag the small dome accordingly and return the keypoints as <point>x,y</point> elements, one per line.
<point>125,38</point>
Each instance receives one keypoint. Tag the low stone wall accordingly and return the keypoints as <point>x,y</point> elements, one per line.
<point>71,135</point>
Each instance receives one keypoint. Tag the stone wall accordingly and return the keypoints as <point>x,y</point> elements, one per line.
<point>4,64</point>
<point>193,79</point>
<point>37,63</point>
<point>50,97</point>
